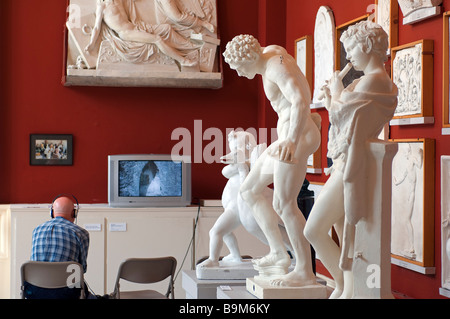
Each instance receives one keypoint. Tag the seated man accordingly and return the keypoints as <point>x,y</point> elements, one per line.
<point>57,240</point>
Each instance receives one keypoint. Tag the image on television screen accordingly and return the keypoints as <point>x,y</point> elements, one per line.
<point>150,179</point>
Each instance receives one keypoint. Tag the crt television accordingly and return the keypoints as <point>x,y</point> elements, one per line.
<point>149,180</point>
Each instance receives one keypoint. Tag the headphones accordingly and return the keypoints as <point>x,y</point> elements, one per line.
<point>75,210</point>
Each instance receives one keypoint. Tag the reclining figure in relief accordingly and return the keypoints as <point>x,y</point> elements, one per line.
<point>133,40</point>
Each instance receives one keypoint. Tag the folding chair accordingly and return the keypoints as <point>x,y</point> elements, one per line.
<point>146,271</point>
<point>52,280</point>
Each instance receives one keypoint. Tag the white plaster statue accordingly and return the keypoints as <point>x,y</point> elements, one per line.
<point>133,39</point>
<point>244,152</point>
<point>357,114</point>
<point>284,162</point>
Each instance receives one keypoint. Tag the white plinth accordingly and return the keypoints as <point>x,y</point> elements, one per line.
<point>108,78</point>
<point>263,290</point>
<point>227,271</point>
<point>444,292</point>
<point>422,14</point>
<point>204,289</point>
<point>235,292</point>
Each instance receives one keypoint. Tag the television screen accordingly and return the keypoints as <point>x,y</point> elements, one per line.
<point>150,179</point>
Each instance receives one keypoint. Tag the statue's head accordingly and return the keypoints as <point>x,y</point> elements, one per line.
<point>242,53</point>
<point>369,36</point>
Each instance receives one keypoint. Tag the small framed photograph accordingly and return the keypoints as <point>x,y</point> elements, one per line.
<point>51,149</point>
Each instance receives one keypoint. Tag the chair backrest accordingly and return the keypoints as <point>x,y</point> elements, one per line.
<point>53,275</point>
<point>147,271</point>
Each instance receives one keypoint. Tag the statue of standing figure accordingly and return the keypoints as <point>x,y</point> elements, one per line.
<point>357,115</point>
<point>243,154</point>
<point>284,162</point>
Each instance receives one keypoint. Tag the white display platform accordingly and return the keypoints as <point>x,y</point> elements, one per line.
<point>442,291</point>
<point>227,271</point>
<point>422,14</point>
<point>204,289</point>
<point>412,121</point>
<point>263,290</point>
<point>235,292</point>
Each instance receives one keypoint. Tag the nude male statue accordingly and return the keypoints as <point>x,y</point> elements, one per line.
<point>284,162</point>
<point>357,115</point>
<point>113,13</point>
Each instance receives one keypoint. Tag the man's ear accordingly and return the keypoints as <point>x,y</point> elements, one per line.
<point>368,46</point>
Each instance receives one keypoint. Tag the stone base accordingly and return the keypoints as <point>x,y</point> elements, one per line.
<point>199,80</point>
<point>421,14</point>
<point>226,271</point>
<point>263,290</point>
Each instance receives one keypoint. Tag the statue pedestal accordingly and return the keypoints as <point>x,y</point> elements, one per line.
<point>227,271</point>
<point>263,290</point>
<point>372,259</point>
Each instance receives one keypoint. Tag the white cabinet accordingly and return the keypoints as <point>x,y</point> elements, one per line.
<point>115,235</point>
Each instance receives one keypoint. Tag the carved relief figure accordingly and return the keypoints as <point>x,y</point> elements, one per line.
<point>324,34</point>
<point>243,154</point>
<point>407,167</point>
<point>407,68</point>
<point>284,162</point>
<point>131,38</point>
<point>191,15</point>
<point>409,6</point>
<point>357,114</point>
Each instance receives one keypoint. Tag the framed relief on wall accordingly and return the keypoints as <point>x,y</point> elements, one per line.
<point>172,43</point>
<point>386,15</point>
<point>418,10</point>
<point>412,72</point>
<point>324,46</point>
<point>445,223</point>
<point>412,240</point>
<point>446,75</point>
<point>304,57</point>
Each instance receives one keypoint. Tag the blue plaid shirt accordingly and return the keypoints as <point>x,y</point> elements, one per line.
<point>60,240</point>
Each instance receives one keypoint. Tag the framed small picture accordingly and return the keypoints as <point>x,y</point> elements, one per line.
<point>51,149</point>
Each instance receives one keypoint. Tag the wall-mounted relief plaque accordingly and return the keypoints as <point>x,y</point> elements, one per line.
<point>156,43</point>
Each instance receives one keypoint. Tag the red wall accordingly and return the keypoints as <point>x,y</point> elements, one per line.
<point>103,121</point>
<point>107,121</point>
<point>300,21</point>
